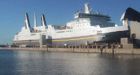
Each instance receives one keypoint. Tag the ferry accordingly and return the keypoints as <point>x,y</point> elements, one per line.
<point>87,27</point>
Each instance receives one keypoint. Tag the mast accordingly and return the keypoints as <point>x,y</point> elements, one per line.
<point>27,23</point>
<point>87,9</point>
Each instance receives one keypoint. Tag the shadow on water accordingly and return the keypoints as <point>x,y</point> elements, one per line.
<point>44,63</point>
<point>8,63</point>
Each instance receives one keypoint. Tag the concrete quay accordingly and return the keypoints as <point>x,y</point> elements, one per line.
<point>81,50</point>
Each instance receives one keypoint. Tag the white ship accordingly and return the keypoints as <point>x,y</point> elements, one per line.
<point>86,27</point>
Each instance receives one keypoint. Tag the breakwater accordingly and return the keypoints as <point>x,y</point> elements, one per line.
<point>82,50</point>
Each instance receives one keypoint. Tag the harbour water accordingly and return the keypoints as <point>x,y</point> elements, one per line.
<point>60,63</point>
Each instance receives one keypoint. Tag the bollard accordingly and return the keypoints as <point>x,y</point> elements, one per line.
<point>113,47</point>
<point>73,48</point>
<point>101,49</point>
<point>47,49</point>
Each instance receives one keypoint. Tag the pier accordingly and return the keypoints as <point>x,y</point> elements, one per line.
<point>124,47</point>
<point>82,49</point>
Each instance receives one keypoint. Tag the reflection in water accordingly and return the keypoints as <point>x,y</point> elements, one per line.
<point>44,63</point>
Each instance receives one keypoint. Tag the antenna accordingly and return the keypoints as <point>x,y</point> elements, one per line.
<point>35,21</point>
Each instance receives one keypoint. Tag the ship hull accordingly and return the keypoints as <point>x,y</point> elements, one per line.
<point>75,41</point>
<point>115,36</point>
<point>85,40</point>
<point>27,43</point>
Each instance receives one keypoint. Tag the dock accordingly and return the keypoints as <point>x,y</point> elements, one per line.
<point>80,50</point>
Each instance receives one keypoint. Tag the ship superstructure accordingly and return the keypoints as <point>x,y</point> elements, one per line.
<point>86,27</point>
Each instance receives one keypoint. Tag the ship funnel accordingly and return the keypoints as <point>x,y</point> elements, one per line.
<point>27,23</point>
<point>43,21</point>
<point>87,9</point>
<point>35,21</point>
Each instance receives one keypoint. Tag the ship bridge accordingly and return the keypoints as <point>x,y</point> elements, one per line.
<point>89,18</point>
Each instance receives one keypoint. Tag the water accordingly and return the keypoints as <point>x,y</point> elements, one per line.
<point>44,63</point>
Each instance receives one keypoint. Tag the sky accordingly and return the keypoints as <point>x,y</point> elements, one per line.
<point>57,12</point>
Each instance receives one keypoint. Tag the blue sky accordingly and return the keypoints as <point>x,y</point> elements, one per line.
<point>56,12</point>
